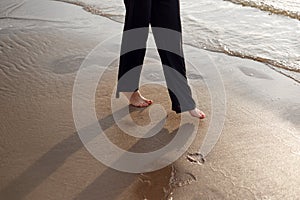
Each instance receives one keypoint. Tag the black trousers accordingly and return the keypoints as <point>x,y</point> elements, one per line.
<point>164,18</point>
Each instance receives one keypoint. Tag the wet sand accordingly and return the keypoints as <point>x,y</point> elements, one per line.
<point>42,156</point>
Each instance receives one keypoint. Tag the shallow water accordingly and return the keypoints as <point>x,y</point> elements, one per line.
<point>290,8</point>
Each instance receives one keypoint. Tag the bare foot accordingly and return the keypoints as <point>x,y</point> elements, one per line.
<point>197,113</point>
<point>137,100</point>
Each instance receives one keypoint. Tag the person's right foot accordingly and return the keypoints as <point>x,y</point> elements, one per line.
<point>137,100</point>
<point>197,113</point>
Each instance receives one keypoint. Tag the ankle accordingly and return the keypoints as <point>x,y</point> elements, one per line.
<point>128,94</point>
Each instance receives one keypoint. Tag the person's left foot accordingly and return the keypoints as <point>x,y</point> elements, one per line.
<point>137,100</point>
<point>197,113</point>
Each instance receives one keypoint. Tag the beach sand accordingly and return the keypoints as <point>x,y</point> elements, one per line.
<point>42,156</point>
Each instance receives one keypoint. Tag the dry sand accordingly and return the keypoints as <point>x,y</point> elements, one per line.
<point>42,156</point>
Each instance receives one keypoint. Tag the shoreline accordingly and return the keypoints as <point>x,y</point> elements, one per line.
<point>276,66</point>
<point>43,157</point>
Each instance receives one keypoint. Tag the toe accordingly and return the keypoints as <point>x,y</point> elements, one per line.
<point>142,104</point>
<point>145,104</point>
<point>149,102</point>
<point>202,115</point>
